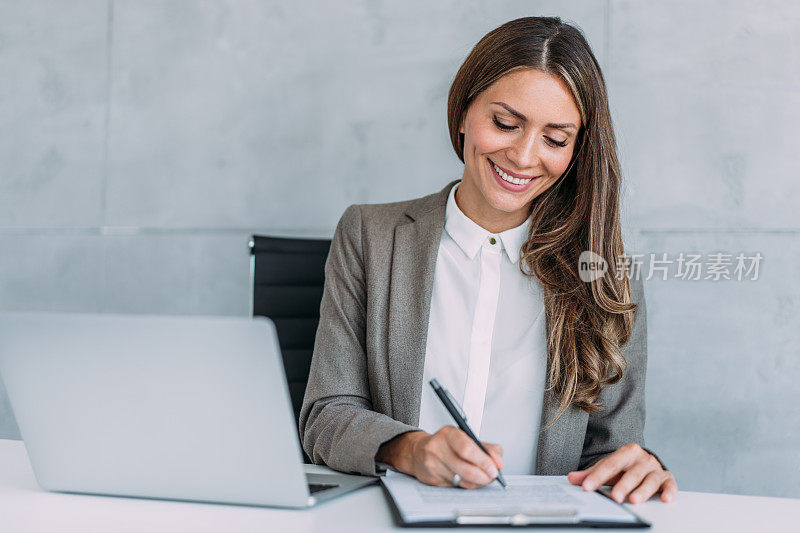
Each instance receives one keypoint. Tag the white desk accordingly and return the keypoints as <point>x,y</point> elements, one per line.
<point>25,507</point>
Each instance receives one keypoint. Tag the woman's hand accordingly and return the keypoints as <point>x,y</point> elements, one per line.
<point>630,468</point>
<point>435,459</point>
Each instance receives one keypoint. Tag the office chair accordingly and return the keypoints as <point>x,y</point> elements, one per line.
<point>287,277</point>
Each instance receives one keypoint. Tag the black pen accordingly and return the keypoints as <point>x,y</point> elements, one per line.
<point>458,415</point>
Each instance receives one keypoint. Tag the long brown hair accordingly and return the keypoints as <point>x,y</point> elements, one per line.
<point>587,322</point>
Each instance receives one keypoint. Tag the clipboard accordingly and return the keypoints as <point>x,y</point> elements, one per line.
<point>514,517</point>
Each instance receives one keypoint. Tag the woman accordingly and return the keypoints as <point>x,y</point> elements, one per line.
<point>478,286</point>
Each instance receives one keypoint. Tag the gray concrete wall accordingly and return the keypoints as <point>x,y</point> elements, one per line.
<point>143,142</point>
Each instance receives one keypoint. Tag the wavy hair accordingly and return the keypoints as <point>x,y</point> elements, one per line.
<point>587,322</point>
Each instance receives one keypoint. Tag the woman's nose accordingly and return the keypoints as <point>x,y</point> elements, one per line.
<point>524,154</point>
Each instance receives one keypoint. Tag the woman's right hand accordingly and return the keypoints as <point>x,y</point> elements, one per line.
<point>435,459</point>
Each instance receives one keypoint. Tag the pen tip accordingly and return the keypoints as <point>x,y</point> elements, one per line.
<point>501,480</point>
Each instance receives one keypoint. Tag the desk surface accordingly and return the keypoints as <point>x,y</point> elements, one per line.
<point>25,507</point>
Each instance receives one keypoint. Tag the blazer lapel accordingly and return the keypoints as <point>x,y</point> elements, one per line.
<point>548,448</point>
<point>560,444</point>
<point>416,246</point>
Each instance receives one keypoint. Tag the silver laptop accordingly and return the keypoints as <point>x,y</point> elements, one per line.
<point>185,408</point>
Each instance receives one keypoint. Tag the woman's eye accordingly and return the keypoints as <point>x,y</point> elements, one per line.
<point>556,143</point>
<point>502,126</point>
<point>508,127</point>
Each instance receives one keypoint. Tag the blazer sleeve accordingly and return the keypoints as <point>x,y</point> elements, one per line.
<point>622,418</point>
<point>338,427</point>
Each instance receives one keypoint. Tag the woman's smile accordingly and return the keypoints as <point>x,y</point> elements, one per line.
<point>510,180</point>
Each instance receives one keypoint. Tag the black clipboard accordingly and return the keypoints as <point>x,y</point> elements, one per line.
<point>487,519</point>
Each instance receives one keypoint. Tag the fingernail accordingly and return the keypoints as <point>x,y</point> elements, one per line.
<point>493,472</point>
<point>588,485</point>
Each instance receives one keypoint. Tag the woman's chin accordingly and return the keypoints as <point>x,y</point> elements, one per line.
<point>507,203</point>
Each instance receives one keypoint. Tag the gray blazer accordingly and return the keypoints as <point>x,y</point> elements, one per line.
<point>366,372</point>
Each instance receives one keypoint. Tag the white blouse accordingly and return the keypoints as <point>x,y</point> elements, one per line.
<point>486,338</point>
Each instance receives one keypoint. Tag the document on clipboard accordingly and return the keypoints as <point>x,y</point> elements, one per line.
<point>528,501</point>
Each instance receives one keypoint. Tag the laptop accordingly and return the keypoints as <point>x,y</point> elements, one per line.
<point>183,408</point>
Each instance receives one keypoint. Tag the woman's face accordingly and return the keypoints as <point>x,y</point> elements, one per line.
<point>519,137</point>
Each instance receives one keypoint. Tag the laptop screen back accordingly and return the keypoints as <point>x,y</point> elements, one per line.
<point>192,408</point>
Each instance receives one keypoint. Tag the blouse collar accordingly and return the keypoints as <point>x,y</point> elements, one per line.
<point>470,236</point>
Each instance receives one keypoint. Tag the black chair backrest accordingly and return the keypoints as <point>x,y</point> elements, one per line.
<point>288,276</point>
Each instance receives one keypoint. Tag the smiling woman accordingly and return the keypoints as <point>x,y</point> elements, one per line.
<point>478,286</point>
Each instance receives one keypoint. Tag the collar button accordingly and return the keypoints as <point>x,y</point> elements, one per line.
<point>492,240</point>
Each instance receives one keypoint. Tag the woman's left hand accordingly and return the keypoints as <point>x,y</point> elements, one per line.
<point>631,470</point>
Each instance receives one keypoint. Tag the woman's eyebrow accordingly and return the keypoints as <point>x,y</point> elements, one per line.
<point>563,126</point>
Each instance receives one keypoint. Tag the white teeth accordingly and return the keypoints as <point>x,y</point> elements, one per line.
<point>516,181</point>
